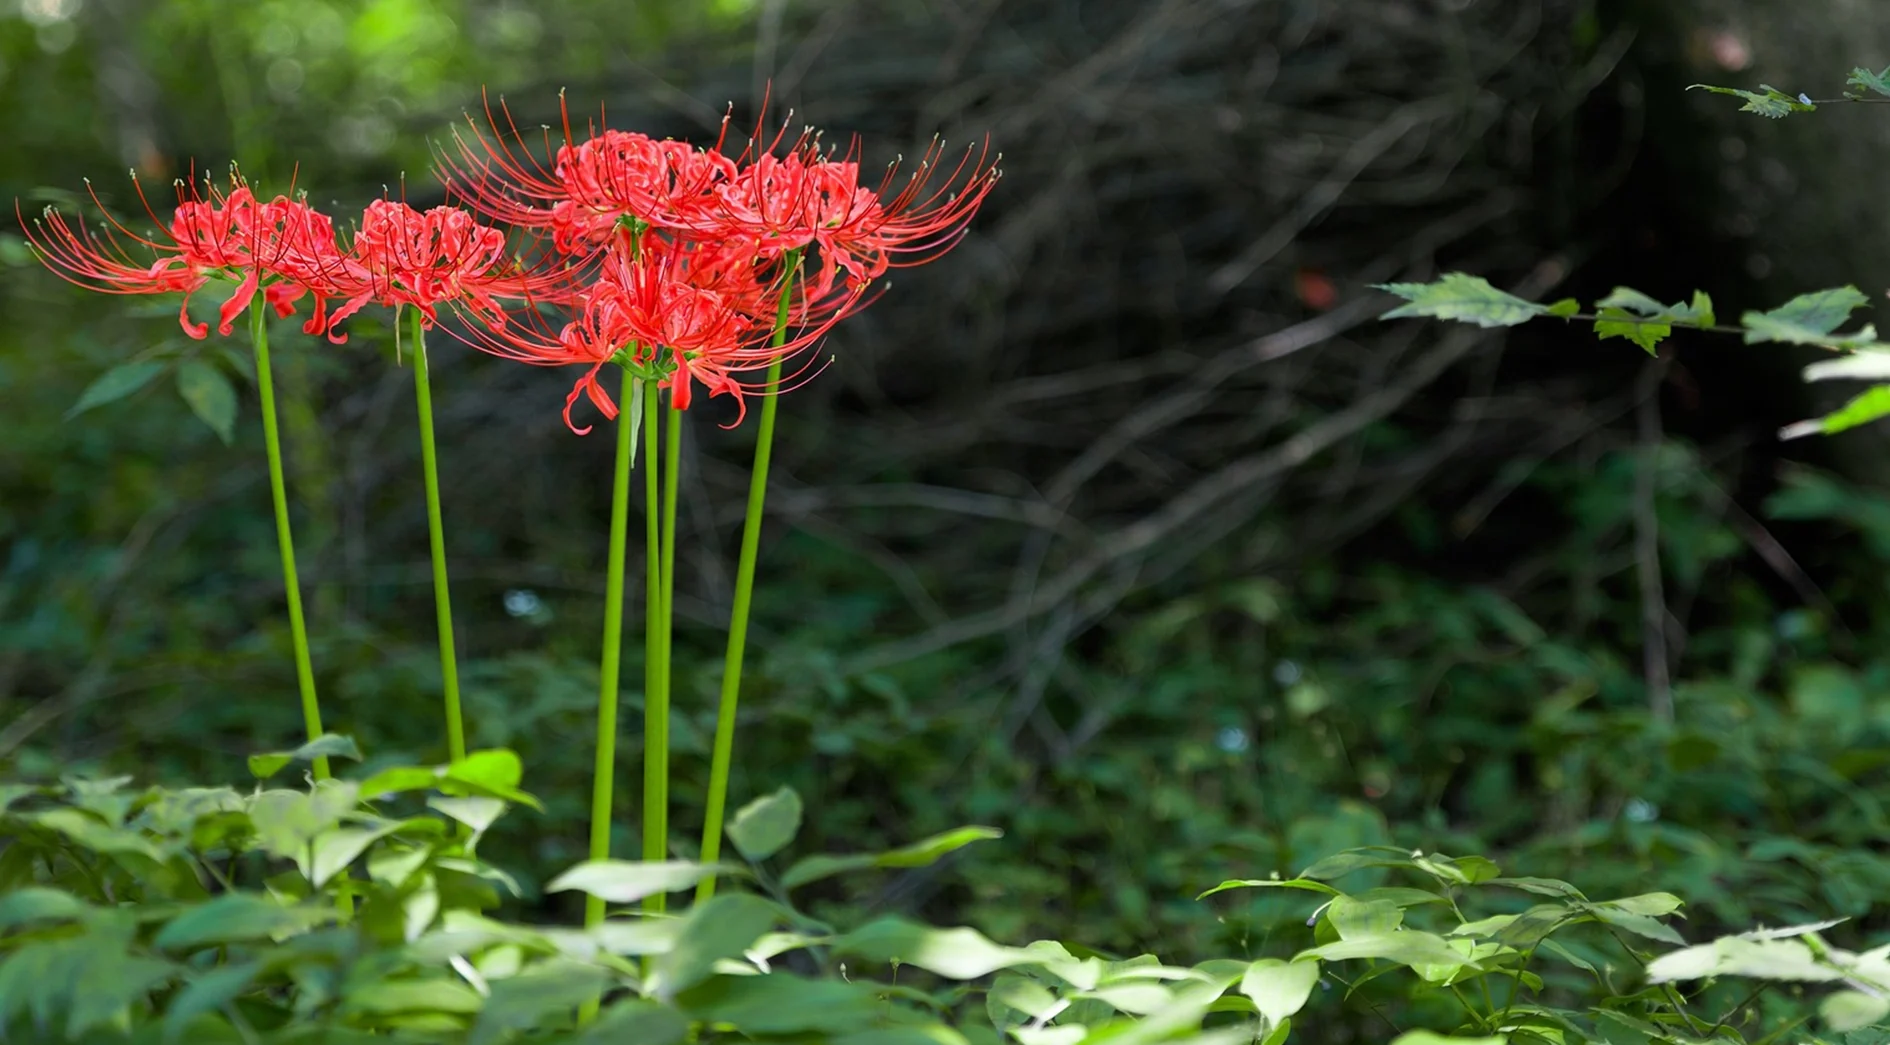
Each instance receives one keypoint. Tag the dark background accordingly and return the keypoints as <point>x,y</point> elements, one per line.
<point>1127,527</point>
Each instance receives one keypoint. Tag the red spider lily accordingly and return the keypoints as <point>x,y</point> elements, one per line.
<point>283,241</point>
<point>592,185</point>
<point>802,197</point>
<point>402,256</point>
<point>648,314</point>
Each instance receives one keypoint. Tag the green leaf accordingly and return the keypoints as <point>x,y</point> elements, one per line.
<point>1406,947</point>
<point>724,927</point>
<point>1871,405</point>
<point>287,821</point>
<point>231,918</point>
<point>537,997</point>
<point>1564,308</point>
<point>1852,1010</point>
<point>1650,904</point>
<point>765,826</point>
<point>38,903</point>
<point>330,852</point>
<point>780,1003</point>
<point>1809,319</point>
<point>636,1020</point>
<point>627,881</point>
<point>1353,918</point>
<point>1865,364</point>
<point>1869,81</point>
<point>1425,1037</point>
<point>1772,104</point>
<point>1272,883</point>
<point>1279,989</point>
<point>328,745</point>
<point>476,812</point>
<point>435,995</point>
<point>210,396</point>
<point>1761,959</point>
<point>493,774</point>
<point>958,954</point>
<point>115,384</point>
<point>1638,924</point>
<point>207,993</point>
<point>1630,314</point>
<point>1462,297</point>
<point>918,854</point>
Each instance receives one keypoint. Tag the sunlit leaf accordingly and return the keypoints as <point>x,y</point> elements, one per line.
<point>328,745</point>
<point>1810,319</point>
<point>1871,405</point>
<point>959,954</point>
<point>918,854</point>
<point>1279,989</point>
<point>1851,1010</point>
<point>766,826</point>
<point>1869,81</point>
<point>1768,101</point>
<point>627,881</point>
<point>1462,297</point>
<point>722,928</point>
<point>234,917</point>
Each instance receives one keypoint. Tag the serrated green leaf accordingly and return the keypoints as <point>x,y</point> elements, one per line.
<point>1628,313</point>
<point>1872,405</point>
<point>1564,308</point>
<point>329,745</point>
<point>1772,103</point>
<point>766,826</point>
<point>1464,298</point>
<point>1869,81</point>
<point>1810,319</point>
<point>210,397</point>
<point>115,384</point>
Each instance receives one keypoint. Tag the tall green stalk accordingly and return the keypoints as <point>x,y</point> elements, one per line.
<point>744,593</point>
<point>285,540</point>
<point>656,697</point>
<point>436,536</point>
<point>604,774</point>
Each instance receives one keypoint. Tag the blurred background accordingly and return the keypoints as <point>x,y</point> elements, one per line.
<point>1127,527</point>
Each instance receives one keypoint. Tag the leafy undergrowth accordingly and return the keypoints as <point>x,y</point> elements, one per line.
<point>360,910</point>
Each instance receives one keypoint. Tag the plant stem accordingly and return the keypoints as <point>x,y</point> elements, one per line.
<point>656,700</point>
<point>285,540</point>
<point>604,775</point>
<point>436,535</point>
<point>724,751</point>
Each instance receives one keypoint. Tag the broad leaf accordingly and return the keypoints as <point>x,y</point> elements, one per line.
<point>328,745</point>
<point>493,774</point>
<point>1869,406</point>
<point>1852,1010</point>
<point>780,1003</point>
<point>918,854</point>
<point>233,918</point>
<point>1279,989</point>
<point>765,826</point>
<point>535,997</point>
<point>637,1020</point>
<point>1810,319</point>
<point>1425,1037</point>
<point>1305,884</point>
<point>1630,314</point>
<point>722,928</point>
<point>958,954</point>
<point>1768,101</point>
<point>627,881</point>
<point>1406,947</point>
<point>209,395</point>
<point>115,384</point>
<point>1462,297</point>
<point>1868,364</point>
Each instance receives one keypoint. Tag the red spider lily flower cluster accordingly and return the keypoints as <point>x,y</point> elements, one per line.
<point>682,264</point>
<point>689,251</point>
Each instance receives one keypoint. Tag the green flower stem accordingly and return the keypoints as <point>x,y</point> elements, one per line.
<point>656,701</point>
<point>436,535</point>
<point>285,540</point>
<point>605,774</point>
<point>724,751</point>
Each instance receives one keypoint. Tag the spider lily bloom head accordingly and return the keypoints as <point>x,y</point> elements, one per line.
<point>803,197</point>
<point>591,186</point>
<point>214,236</point>
<point>407,257</point>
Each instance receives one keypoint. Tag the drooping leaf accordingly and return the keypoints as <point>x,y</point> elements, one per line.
<point>38,903</point>
<point>780,1003</point>
<point>959,954</point>
<point>1638,924</point>
<point>918,854</point>
<point>1305,884</point>
<point>1768,101</point>
<point>1651,904</point>
<point>328,745</point>
<point>766,826</point>
<point>1464,298</point>
<point>1810,319</point>
<point>640,1020</point>
<point>115,384</point>
<point>1406,947</point>
<point>1279,989</point>
<point>435,994</point>
<point>627,881</point>
<point>1770,959</point>
<point>207,993</point>
<point>1871,405</point>
<point>209,395</point>
<point>722,928</point>
<point>1869,81</point>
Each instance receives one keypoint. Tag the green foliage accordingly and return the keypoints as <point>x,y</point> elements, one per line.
<point>1633,315</point>
<point>1465,298</point>
<point>1767,101</point>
